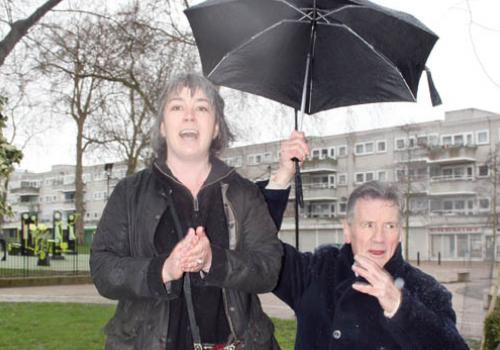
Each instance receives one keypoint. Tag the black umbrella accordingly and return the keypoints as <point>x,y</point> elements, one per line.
<point>312,55</point>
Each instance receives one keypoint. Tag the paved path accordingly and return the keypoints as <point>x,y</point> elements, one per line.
<point>86,293</point>
<point>468,297</point>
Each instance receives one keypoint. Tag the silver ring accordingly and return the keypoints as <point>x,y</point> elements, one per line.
<point>199,261</point>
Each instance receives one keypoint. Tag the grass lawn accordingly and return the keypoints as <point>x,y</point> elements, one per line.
<point>58,326</point>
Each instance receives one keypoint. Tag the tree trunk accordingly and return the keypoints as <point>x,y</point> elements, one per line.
<point>79,186</point>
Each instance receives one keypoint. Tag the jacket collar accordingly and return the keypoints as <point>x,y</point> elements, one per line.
<point>394,266</point>
<point>218,171</point>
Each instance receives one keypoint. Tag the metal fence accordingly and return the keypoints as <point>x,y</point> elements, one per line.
<point>16,262</point>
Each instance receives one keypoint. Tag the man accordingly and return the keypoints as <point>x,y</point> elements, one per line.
<point>363,295</point>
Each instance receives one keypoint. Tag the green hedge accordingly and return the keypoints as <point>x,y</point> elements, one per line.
<point>492,330</point>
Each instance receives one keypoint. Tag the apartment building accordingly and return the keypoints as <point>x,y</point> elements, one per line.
<point>445,169</point>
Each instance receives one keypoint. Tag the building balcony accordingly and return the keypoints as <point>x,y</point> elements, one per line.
<point>451,154</point>
<point>26,190</point>
<point>452,185</point>
<point>316,166</point>
<point>316,192</point>
<point>69,187</point>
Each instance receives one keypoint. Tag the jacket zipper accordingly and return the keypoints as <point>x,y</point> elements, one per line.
<point>196,212</point>
<point>196,207</point>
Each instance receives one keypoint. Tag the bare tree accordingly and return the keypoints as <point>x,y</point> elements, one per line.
<point>66,57</point>
<point>141,54</point>
<point>411,174</point>
<point>19,28</point>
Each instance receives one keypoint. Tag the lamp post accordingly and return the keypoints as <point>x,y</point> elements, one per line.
<point>108,169</point>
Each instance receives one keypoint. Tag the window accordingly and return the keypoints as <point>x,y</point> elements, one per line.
<point>446,140</point>
<point>364,148</point>
<point>342,207</point>
<point>359,178</point>
<point>332,208</point>
<point>320,210</point>
<point>460,205</point>
<point>254,159</point>
<point>331,181</point>
<point>382,175</point>
<point>400,174</point>
<point>456,172</point>
<point>381,146</point>
<point>483,171</point>
<point>342,180</point>
<point>412,142</point>
<point>319,182</point>
<point>316,153</point>
<point>469,139</point>
<point>448,172</point>
<point>433,139</point>
<point>369,147</point>
<point>399,144</point>
<point>331,152</point>
<point>447,205</point>
<point>324,153</point>
<point>458,139</point>
<point>484,204</point>
<point>268,157</point>
<point>422,141</point>
<point>362,177</point>
<point>482,137</point>
<point>342,151</point>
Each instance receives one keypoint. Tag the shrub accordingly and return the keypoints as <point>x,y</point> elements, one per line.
<point>492,330</point>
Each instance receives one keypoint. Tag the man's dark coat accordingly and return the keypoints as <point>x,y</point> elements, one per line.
<point>332,315</point>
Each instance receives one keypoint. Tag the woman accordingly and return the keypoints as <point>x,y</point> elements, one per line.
<point>227,252</point>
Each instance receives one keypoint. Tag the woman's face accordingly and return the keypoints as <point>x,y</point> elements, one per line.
<point>188,125</point>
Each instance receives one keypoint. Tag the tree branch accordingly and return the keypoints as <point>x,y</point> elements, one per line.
<point>20,28</point>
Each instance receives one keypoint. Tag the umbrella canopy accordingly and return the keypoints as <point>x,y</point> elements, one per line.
<point>312,55</point>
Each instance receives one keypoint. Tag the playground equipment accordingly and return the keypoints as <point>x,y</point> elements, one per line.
<point>41,248</point>
<point>37,239</point>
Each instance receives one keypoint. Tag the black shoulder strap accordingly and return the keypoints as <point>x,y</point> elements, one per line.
<point>195,331</point>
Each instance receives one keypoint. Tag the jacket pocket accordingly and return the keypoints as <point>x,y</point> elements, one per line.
<point>259,334</point>
<point>127,323</point>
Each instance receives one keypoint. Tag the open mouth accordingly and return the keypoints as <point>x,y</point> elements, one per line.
<point>375,252</point>
<point>189,134</point>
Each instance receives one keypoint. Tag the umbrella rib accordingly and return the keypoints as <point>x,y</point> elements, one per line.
<point>341,9</point>
<point>296,9</point>
<point>242,45</point>
<point>383,57</point>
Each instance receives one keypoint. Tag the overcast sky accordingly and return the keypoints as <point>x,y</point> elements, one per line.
<point>465,65</point>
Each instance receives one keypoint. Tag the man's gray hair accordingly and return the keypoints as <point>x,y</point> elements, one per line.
<point>374,190</point>
<point>193,82</point>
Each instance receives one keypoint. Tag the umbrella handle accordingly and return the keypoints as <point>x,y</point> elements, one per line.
<point>298,184</point>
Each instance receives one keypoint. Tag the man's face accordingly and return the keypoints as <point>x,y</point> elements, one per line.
<point>375,230</point>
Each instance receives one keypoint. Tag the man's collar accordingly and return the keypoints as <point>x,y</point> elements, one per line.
<point>394,266</point>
